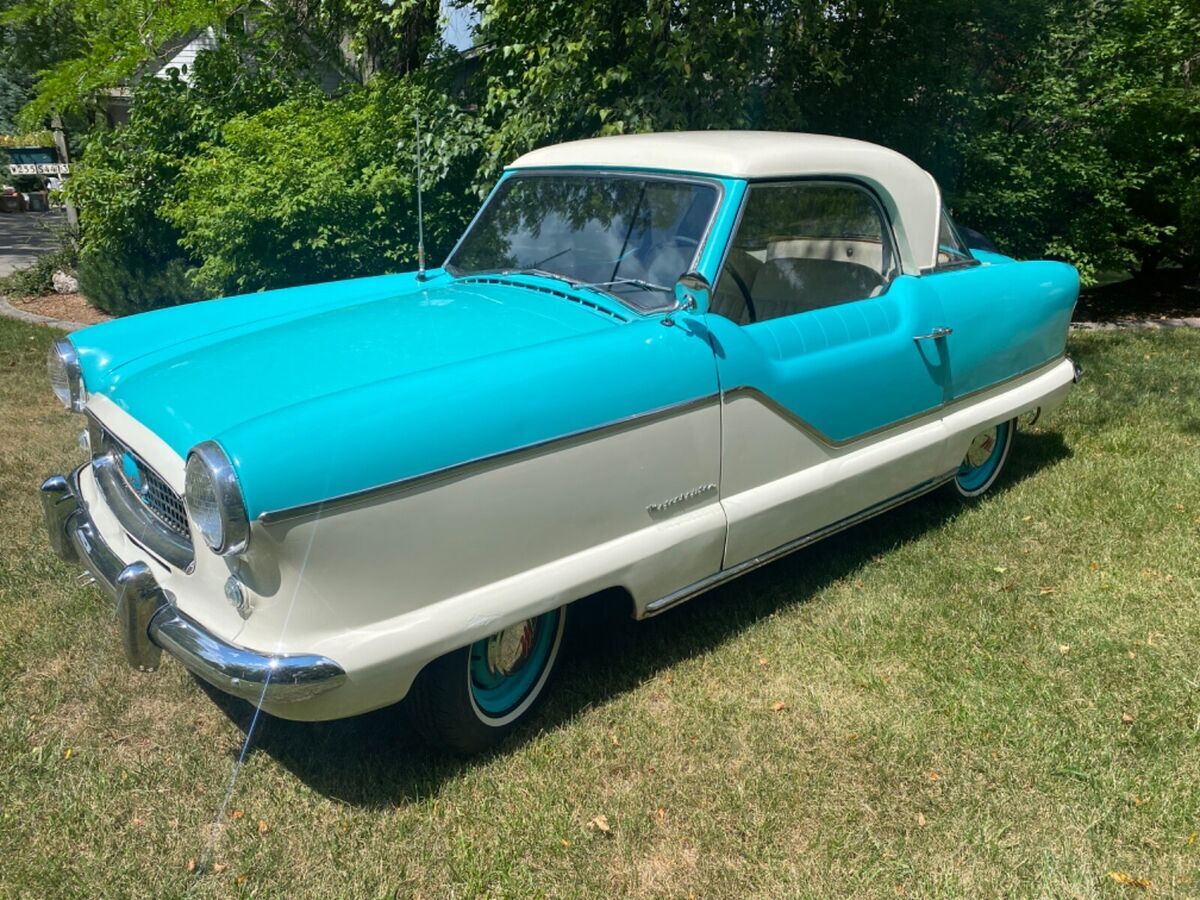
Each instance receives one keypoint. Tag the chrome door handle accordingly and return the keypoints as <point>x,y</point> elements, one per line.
<point>938,332</point>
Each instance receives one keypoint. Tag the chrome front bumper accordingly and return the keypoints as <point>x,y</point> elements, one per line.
<point>150,622</point>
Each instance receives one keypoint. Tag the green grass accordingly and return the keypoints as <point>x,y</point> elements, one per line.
<point>954,679</point>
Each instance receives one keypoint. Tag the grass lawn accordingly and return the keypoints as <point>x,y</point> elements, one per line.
<point>1000,700</point>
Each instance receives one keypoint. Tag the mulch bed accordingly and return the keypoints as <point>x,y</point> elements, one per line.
<point>1164,295</point>
<point>69,307</point>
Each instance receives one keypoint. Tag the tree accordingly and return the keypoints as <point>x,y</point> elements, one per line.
<point>565,69</point>
<point>87,46</point>
<point>130,253</point>
<point>94,45</point>
<point>1066,128</point>
<point>313,190</point>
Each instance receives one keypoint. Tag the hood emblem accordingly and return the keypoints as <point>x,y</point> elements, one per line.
<point>681,498</point>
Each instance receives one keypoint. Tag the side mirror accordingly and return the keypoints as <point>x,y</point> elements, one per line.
<point>691,289</point>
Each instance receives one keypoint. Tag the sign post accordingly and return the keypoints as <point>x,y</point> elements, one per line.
<point>60,143</point>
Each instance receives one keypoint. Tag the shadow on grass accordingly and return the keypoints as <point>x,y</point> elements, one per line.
<point>374,761</point>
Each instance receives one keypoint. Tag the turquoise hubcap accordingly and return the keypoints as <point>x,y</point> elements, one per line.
<point>506,667</point>
<point>983,458</point>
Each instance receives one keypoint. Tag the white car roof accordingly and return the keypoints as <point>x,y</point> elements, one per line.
<point>908,192</point>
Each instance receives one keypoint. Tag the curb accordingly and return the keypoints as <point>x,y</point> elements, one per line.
<point>11,312</point>
<point>1128,324</point>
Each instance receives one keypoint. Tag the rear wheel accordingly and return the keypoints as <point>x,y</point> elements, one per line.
<point>469,700</point>
<point>985,459</point>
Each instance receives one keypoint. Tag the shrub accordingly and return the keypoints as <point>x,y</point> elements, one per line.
<point>37,278</point>
<point>131,254</point>
<point>121,286</point>
<point>315,189</point>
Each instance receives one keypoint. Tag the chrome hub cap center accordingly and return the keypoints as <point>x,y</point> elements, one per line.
<point>981,449</point>
<point>509,649</point>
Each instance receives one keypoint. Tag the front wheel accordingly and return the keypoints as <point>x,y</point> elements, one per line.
<point>985,459</point>
<point>470,699</point>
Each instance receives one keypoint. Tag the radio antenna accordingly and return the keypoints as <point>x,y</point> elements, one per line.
<point>420,209</point>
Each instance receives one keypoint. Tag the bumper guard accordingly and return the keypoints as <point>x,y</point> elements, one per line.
<point>150,622</point>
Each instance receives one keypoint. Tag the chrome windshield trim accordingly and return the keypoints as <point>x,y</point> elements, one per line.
<point>632,173</point>
<point>271,517</point>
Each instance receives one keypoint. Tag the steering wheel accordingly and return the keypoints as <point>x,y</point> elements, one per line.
<point>681,240</point>
<point>741,285</point>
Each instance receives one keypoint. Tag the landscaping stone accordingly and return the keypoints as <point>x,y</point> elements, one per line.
<point>65,283</point>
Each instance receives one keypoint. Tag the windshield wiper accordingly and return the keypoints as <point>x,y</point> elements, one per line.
<point>636,282</point>
<point>540,273</point>
<point>543,273</point>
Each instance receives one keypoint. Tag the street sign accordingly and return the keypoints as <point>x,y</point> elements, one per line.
<point>39,168</point>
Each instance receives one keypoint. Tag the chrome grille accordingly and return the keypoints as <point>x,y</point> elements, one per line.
<point>148,486</point>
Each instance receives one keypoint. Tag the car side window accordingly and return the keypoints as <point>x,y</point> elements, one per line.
<point>804,245</point>
<point>953,251</point>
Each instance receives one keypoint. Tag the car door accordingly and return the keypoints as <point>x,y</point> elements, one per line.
<point>1002,318</point>
<point>830,398</point>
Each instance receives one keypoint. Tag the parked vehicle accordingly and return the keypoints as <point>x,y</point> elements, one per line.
<point>651,364</point>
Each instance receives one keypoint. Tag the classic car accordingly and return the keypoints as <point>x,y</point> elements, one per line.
<point>651,364</point>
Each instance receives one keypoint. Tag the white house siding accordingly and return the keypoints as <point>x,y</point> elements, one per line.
<point>185,58</point>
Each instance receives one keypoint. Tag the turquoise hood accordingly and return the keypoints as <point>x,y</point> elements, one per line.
<point>325,390</point>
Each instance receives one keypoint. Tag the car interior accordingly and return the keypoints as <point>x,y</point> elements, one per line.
<point>794,274</point>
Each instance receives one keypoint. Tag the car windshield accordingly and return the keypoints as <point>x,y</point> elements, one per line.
<point>629,235</point>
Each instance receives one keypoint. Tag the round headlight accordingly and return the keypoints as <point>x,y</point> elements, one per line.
<point>214,499</point>
<point>66,379</point>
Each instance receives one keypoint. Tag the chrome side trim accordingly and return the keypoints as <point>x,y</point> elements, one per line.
<point>933,412</point>
<point>150,622</point>
<point>136,518</point>
<point>271,517</point>
<point>749,565</point>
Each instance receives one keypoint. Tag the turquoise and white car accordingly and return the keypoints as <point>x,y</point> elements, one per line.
<point>651,364</point>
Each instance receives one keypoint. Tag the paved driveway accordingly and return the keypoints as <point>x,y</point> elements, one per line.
<point>24,236</point>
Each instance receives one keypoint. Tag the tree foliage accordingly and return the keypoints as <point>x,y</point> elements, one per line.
<point>130,256</point>
<point>1067,128</point>
<point>312,190</point>
<point>90,45</point>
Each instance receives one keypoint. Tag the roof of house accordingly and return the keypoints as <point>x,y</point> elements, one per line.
<point>907,191</point>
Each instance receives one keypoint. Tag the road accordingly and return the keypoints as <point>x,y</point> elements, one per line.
<point>24,236</point>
